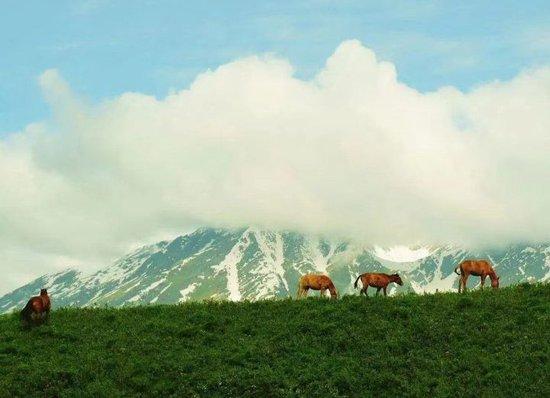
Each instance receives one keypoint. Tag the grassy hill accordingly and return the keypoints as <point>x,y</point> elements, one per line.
<point>491,343</point>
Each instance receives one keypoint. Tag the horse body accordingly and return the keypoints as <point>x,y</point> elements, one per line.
<point>378,280</point>
<point>316,282</point>
<point>481,268</point>
<point>37,309</point>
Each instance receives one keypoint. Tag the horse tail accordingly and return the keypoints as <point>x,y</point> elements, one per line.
<point>457,267</point>
<point>25,312</point>
<point>357,280</point>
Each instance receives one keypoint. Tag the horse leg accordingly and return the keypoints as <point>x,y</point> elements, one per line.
<point>35,318</point>
<point>378,290</point>
<point>385,287</point>
<point>364,291</point>
<point>464,282</point>
<point>483,280</point>
<point>323,292</point>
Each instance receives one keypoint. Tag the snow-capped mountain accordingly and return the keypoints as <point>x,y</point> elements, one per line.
<point>254,264</point>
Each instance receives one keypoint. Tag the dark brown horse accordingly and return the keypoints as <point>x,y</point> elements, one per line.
<point>316,282</point>
<point>37,309</point>
<point>377,280</point>
<point>481,268</point>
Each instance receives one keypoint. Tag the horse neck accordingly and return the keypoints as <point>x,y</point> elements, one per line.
<point>45,299</point>
<point>493,275</point>
<point>393,279</point>
<point>332,290</point>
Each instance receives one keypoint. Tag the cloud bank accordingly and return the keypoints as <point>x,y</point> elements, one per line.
<point>351,153</point>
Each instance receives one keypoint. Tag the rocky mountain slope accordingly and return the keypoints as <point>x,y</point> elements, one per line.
<point>254,264</point>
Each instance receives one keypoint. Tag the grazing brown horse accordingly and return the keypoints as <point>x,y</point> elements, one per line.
<point>37,309</point>
<point>481,268</point>
<point>316,282</point>
<point>377,280</point>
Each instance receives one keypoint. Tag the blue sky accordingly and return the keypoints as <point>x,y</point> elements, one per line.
<point>104,48</point>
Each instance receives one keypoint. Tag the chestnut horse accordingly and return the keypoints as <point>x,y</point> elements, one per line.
<point>481,268</point>
<point>316,282</point>
<point>37,309</point>
<point>377,280</point>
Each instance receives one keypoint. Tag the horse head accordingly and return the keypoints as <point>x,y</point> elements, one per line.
<point>43,292</point>
<point>495,282</point>
<point>397,279</point>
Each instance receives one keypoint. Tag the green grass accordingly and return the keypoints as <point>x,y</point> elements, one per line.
<point>491,343</point>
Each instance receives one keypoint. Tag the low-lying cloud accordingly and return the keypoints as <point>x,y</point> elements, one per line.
<point>351,153</point>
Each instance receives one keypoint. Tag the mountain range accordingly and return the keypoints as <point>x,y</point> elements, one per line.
<point>255,264</point>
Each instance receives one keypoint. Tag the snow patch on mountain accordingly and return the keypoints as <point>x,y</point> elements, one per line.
<point>187,291</point>
<point>147,289</point>
<point>270,267</point>
<point>229,265</point>
<point>320,261</point>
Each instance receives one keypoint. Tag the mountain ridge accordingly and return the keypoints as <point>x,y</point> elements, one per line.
<point>255,264</point>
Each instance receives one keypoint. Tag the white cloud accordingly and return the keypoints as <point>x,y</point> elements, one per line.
<point>353,152</point>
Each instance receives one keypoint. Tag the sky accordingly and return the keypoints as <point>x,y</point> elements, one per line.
<point>105,48</point>
<point>397,123</point>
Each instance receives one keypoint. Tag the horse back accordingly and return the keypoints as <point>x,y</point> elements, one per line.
<point>38,304</point>
<point>476,267</point>
<point>316,282</point>
<point>375,279</point>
